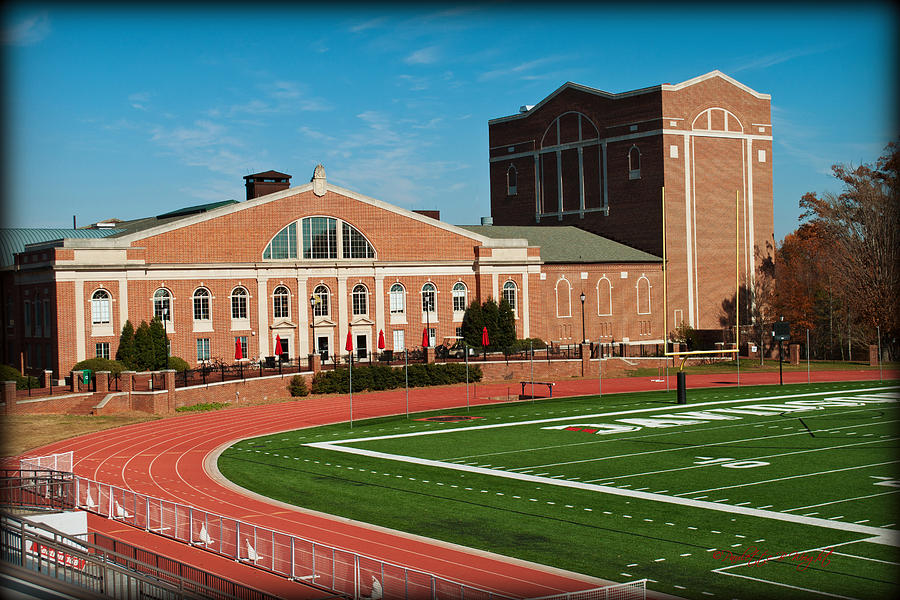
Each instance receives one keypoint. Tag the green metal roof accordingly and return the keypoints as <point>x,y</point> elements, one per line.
<point>566,244</point>
<point>14,240</point>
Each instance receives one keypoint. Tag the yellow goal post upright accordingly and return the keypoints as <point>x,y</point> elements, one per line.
<point>684,355</point>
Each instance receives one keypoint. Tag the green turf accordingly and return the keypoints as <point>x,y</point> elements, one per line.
<point>613,536</point>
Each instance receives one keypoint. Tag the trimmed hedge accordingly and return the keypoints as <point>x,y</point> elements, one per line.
<point>383,377</point>
<point>100,364</point>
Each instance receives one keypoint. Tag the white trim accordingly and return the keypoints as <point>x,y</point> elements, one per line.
<point>80,337</point>
<point>688,232</point>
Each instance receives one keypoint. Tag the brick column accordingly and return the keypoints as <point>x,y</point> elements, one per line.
<point>168,377</point>
<point>126,381</point>
<point>315,362</point>
<point>429,354</point>
<point>76,376</point>
<point>46,379</point>
<point>794,352</point>
<point>102,381</point>
<point>585,360</point>
<point>8,394</point>
<point>873,355</point>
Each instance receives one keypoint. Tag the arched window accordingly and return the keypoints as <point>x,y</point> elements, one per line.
<point>643,295</point>
<point>398,299</point>
<point>319,237</point>
<point>428,298</point>
<point>604,297</point>
<point>320,308</point>
<point>284,244</point>
<point>355,244</point>
<point>563,298</point>
<point>100,307</point>
<point>509,293</point>
<point>281,303</point>
<point>360,300</point>
<point>162,305</point>
<point>634,163</point>
<point>459,296</point>
<point>511,179</point>
<point>201,304</point>
<point>239,303</point>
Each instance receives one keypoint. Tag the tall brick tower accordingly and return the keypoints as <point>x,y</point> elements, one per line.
<point>600,161</point>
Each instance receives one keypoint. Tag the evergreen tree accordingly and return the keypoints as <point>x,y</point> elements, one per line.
<point>143,348</point>
<point>506,325</point>
<point>125,352</point>
<point>160,344</point>
<point>491,313</point>
<point>472,324</point>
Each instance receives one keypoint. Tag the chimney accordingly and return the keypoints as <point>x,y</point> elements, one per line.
<point>269,182</point>
<point>487,220</point>
<point>434,214</point>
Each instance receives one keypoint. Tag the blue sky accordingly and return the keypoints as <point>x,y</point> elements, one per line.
<point>134,112</point>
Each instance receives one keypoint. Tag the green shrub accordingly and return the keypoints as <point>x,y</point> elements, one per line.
<point>100,364</point>
<point>525,344</point>
<point>383,377</point>
<point>178,363</point>
<point>8,373</point>
<point>297,387</point>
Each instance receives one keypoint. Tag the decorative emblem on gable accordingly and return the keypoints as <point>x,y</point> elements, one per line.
<point>318,180</point>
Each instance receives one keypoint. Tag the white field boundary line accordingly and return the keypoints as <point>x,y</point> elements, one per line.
<point>880,535</point>
<point>724,571</point>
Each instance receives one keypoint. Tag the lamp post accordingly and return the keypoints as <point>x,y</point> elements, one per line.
<point>166,334</point>
<point>312,305</point>
<point>583,338</point>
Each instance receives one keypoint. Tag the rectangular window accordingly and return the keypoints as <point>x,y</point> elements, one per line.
<point>201,308</point>
<point>244,345</point>
<point>27,310</point>
<point>399,343</point>
<point>38,318</point>
<point>459,332</point>
<point>101,350</point>
<point>202,349</point>
<point>319,237</point>
<point>673,151</point>
<point>47,319</point>
<point>239,307</point>
<point>761,155</point>
<point>431,337</point>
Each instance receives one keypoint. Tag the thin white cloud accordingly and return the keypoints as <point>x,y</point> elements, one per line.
<point>769,60</point>
<point>205,144</point>
<point>28,31</point>
<point>521,70</point>
<point>370,24</point>
<point>423,56</point>
<point>139,100</point>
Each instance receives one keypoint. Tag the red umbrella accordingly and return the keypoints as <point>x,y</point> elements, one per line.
<point>277,345</point>
<point>484,337</point>
<point>238,351</point>
<point>380,339</point>
<point>425,337</point>
<point>349,346</point>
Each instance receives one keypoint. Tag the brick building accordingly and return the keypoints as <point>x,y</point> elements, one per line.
<point>245,272</point>
<point>599,161</point>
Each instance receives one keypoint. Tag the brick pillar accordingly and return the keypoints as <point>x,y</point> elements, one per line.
<point>873,355</point>
<point>8,394</point>
<point>46,379</point>
<point>168,377</point>
<point>585,360</point>
<point>76,378</point>
<point>315,362</point>
<point>429,354</point>
<point>102,381</point>
<point>794,352</point>
<point>126,381</point>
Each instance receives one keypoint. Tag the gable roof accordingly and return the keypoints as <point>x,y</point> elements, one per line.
<point>655,88</point>
<point>566,244</point>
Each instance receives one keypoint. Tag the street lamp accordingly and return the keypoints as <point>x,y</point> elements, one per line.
<point>583,339</point>
<point>312,305</point>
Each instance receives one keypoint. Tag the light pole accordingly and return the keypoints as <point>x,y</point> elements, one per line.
<point>312,305</point>
<point>583,339</point>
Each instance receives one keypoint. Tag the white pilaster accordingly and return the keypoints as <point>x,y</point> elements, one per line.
<point>341,315</point>
<point>262,304</point>
<point>123,302</point>
<point>524,304</point>
<point>688,229</point>
<point>80,327</point>
<point>303,330</point>
<point>379,309</point>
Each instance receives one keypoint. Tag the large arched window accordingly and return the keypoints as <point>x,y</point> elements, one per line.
<point>428,298</point>
<point>570,164</point>
<point>201,304</point>
<point>284,244</point>
<point>459,297</point>
<point>509,293</point>
<point>563,298</point>
<point>643,295</point>
<point>239,303</point>
<point>321,294</point>
<point>604,297</point>
<point>162,305</point>
<point>360,300</point>
<point>319,237</point>
<point>355,244</point>
<point>281,303</point>
<point>634,163</point>
<point>100,307</point>
<point>398,299</point>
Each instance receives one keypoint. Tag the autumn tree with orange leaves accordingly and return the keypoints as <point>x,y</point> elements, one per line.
<point>838,274</point>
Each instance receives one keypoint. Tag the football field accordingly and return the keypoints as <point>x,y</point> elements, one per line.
<point>763,492</point>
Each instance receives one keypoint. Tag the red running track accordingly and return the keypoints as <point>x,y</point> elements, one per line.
<point>165,459</point>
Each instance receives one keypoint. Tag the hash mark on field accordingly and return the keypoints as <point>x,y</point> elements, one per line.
<point>632,565</point>
<point>659,560</point>
<point>686,554</point>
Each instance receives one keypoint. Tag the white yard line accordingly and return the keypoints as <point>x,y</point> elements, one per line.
<point>887,562</point>
<point>839,501</point>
